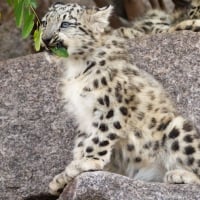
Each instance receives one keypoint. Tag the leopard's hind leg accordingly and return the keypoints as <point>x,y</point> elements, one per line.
<point>182,145</point>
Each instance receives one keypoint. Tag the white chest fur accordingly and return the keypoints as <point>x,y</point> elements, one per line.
<point>79,104</point>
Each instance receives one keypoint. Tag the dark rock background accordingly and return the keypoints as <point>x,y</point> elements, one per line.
<point>36,135</point>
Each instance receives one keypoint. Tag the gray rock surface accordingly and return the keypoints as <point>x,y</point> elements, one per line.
<point>36,135</point>
<point>12,44</point>
<point>174,60</point>
<point>105,186</point>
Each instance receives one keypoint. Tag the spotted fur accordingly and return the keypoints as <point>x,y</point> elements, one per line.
<point>126,122</point>
<point>158,21</point>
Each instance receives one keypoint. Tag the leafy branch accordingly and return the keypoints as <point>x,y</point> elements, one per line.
<point>25,15</point>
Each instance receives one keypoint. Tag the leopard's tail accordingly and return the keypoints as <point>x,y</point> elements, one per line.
<point>191,25</point>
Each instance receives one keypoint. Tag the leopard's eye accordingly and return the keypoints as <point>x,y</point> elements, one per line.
<point>44,23</point>
<point>65,25</point>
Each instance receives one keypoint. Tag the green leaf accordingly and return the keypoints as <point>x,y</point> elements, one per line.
<point>9,2</point>
<point>29,3</point>
<point>37,39</point>
<point>61,51</point>
<point>19,11</point>
<point>28,23</point>
<point>27,29</point>
<point>33,3</point>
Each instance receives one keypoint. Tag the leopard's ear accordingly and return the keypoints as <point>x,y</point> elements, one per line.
<point>54,5</point>
<point>99,18</point>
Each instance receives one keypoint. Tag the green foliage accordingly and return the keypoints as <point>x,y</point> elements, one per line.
<point>24,11</point>
<point>25,16</point>
<point>9,2</point>
<point>37,39</point>
<point>28,24</point>
<point>19,12</point>
<point>60,51</point>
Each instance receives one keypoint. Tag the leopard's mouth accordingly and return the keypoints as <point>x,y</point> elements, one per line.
<point>58,49</point>
<point>55,47</point>
<point>49,43</point>
<point>57,44</point>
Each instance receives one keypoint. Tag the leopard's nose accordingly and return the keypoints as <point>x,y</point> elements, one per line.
<point>46,41</point>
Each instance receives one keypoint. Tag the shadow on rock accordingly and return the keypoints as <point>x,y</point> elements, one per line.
<point>44,196</point>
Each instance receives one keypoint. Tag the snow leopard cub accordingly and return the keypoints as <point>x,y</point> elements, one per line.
<point>126,122</point>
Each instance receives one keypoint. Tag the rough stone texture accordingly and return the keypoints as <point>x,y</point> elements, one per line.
<point>105,186</point>
<point>12,44</point>
<point>174,60</point>
<point>36,134</point>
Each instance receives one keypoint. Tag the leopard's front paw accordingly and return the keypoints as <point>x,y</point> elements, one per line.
<point>58,183</point>
<point>181,176</point>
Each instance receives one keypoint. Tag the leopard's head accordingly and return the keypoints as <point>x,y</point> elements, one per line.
<point>72,25</point>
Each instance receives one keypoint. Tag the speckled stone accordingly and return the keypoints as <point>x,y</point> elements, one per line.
<point>36,135</point>
<point>108,186</point>
<point>174,60</point>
